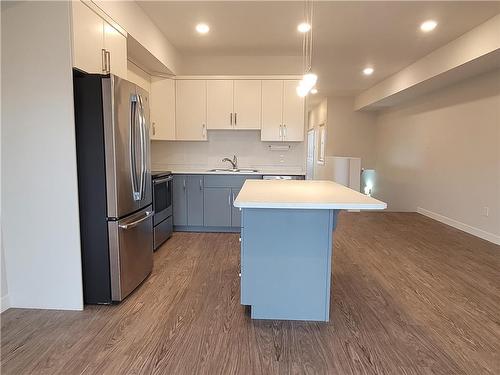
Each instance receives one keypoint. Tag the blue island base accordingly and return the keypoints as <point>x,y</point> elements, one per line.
<point>286,257</point>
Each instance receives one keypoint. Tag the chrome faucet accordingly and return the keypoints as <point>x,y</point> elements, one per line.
<point>233,162</point>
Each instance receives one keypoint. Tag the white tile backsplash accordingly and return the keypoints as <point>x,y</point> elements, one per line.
<point>245,144</point>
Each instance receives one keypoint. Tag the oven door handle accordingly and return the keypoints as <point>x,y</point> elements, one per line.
<point>162,180</point>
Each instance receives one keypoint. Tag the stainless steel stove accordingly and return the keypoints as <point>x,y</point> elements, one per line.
<point>162,206</point>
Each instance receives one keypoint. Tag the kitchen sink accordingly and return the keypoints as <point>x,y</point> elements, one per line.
<point>222,170</point>
<point>243,170</point>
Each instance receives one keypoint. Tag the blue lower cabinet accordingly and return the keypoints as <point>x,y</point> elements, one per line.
<point>235,211</point>
<point>205,202</point>
<point>217,207</point>
<point>195,200</point>
<point>179,203</point>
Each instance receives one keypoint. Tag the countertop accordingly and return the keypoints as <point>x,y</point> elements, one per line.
<point>299,194</point>
<point>259,172</point>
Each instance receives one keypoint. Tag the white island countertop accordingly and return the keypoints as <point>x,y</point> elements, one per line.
<point>297,194</point>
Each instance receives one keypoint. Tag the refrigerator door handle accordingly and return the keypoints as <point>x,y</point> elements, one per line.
<point>142,133</point>
<point>136,222</point>
<point>136,190</point>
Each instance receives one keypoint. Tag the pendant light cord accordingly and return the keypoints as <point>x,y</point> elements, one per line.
<point>307,41</point>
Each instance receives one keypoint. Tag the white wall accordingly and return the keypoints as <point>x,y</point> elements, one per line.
<point>39,181</point>
<point>4,290</point>
<point>350,133</point>
<point>4,302</point>
<point>241,65</point>
<point>246,144</point>
<point>441,153</point>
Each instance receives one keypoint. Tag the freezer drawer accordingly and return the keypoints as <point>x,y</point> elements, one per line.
<point>130,252</point>
<point>162,232</point>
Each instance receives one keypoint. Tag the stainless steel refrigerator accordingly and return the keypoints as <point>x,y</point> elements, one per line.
<point>114,185</point>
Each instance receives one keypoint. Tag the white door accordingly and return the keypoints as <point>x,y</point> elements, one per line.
<point>272,104</point>
<point>220,104</point>
<point>116,45</point>
<point>293,112</point>
<point>88,40</point>
<point>191,110</point>
<point>247,104</point>
<point>162,101</point>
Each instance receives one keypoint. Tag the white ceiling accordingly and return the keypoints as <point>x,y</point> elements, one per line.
<point>348,35</point>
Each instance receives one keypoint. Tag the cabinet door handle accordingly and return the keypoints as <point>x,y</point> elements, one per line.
<point>281,132</point>
<point>284,132</point>
<point>104,62</point>
<point>108,61</point>
<point>233,197</point>
<point>184,184</point>
<point>204,131</point>
<point>231,119</point>
<point>235,119</point>
<point>154,128</point>
<point>229,199</point>
<point>201,186</point>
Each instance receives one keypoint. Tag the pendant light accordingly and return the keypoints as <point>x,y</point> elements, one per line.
<point>309,79</point>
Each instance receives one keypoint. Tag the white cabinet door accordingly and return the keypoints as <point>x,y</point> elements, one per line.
<point>191,110</point>
<point>116,45</point>
<point>247,104</point>
<point>272,104</point>
<point>162,101</point>
<point>220,104</point>
<point>88,40</point>
<point>293,113</point>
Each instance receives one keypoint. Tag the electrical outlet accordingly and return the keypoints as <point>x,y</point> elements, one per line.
<point>486,211</point>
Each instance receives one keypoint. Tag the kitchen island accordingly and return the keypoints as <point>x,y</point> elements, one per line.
<point>286,245</point>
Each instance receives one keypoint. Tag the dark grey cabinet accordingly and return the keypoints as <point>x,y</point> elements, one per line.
<point>217,207</point>
<point>194,200</point>
<point>180,200</point>
<point>206,201</point>
<point>235,211</point>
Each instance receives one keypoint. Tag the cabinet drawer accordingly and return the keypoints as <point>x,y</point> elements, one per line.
<point>228,181</point>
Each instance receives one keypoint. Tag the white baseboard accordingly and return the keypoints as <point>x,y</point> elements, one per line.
<point>491,237</point>
<point>5,303</point>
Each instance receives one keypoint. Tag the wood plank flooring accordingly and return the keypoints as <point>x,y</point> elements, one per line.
<point>409,296</point>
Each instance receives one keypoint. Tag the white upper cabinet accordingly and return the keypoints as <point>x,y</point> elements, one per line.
<point>115,45</point>
<point>293,113</point>
<point>97,46</point>
<point>272,110</point>
<point>247,108</point>
<point>282,111</point>
<point>234,104</point>
<point>220,104</point>
<point>191,110</point>
<point>87,39</point>
<point>162,101</point>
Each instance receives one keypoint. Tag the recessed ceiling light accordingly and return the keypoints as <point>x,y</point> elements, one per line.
<point>202,28</point>
<point>304,27</point>
<point>368,71</point>
<point>428,26</point>
<point>314,90</point>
